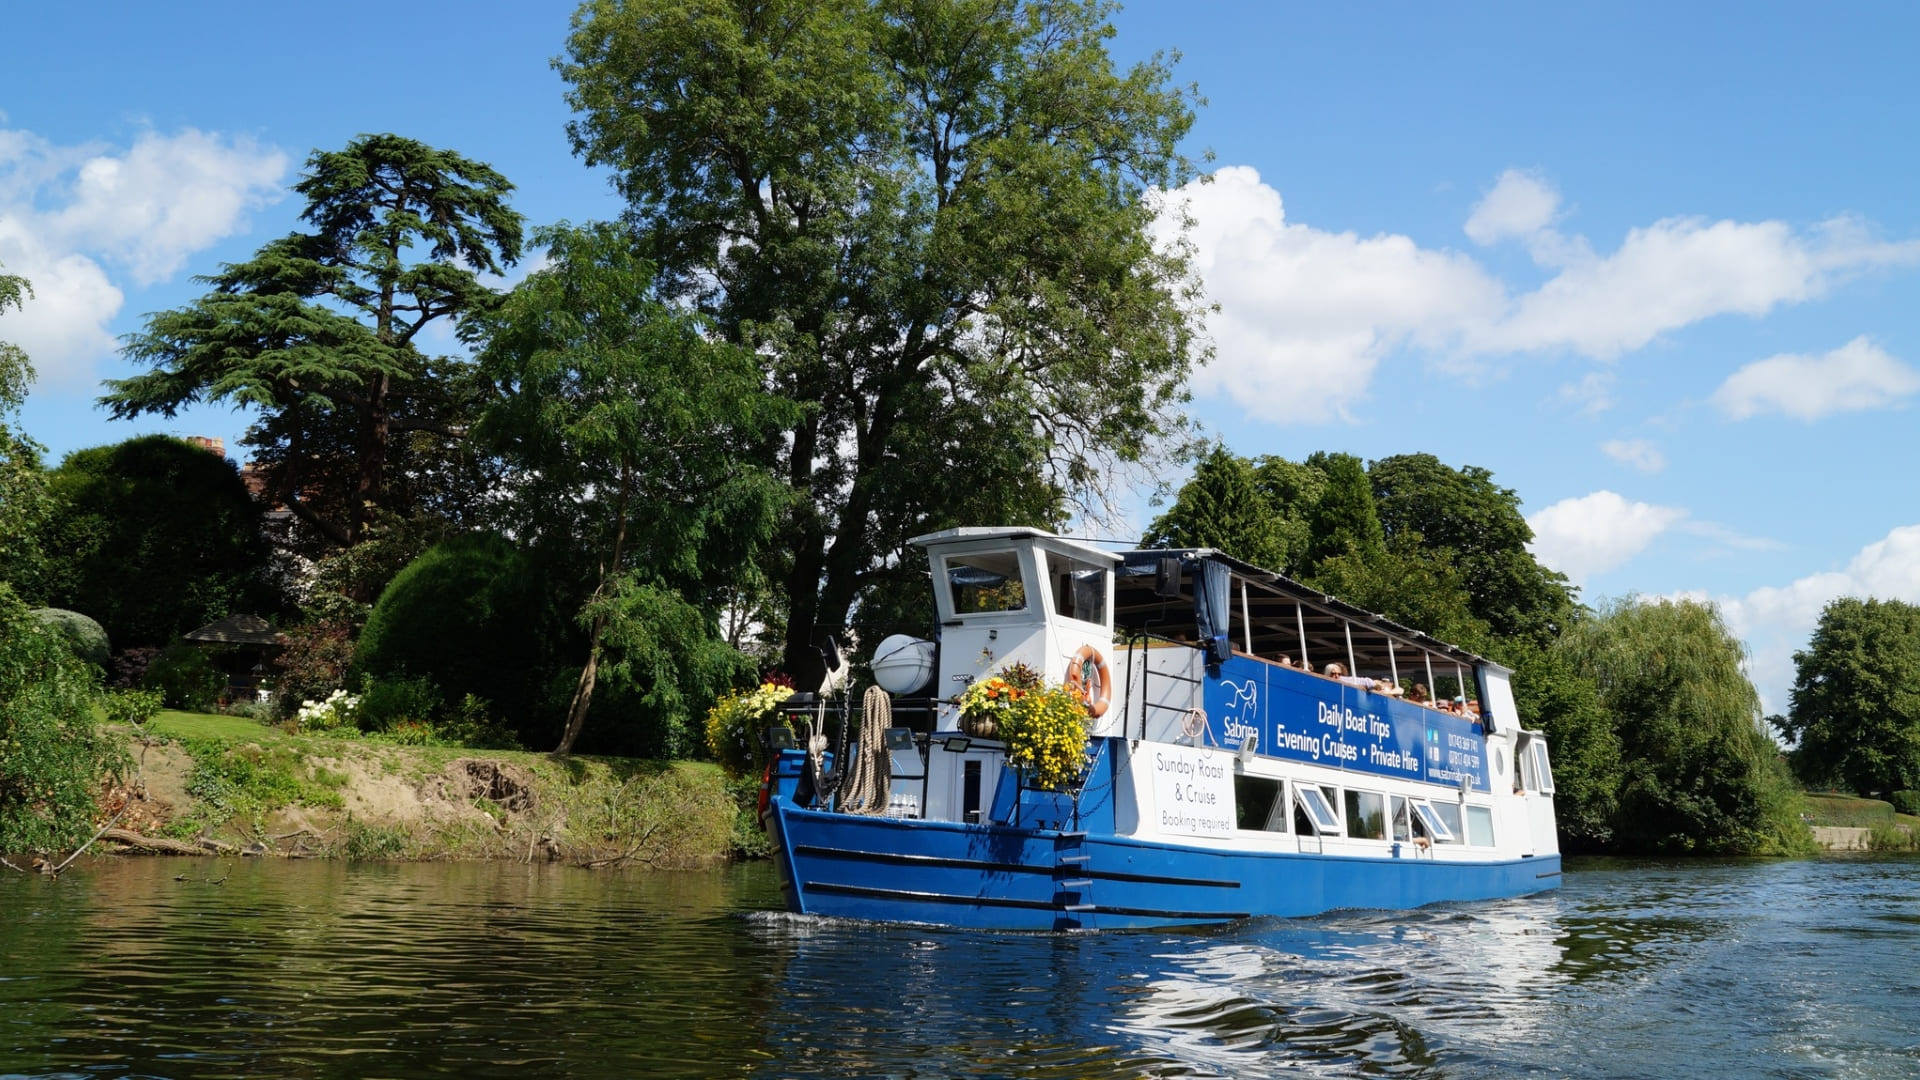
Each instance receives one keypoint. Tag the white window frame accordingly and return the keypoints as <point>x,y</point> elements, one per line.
<point>1435,825</point>
<point>1319,811</point>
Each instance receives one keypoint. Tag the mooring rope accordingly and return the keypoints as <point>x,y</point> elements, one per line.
<point>866,787</point>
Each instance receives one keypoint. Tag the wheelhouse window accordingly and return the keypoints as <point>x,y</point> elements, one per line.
<point>1079,588</point>
<point>987,581</point>
<point>1260,804</point>
<point>1536,772</point>
<point>1366,815</point>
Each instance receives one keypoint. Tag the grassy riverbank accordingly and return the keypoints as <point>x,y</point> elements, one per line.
<point>1890,830</point>
<point>231,784</point>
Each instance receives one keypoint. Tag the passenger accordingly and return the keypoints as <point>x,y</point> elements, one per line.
<point>1420,695</point>
<point>1387,687</point>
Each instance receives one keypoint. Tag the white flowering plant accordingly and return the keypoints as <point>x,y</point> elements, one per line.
<point>337,710</point>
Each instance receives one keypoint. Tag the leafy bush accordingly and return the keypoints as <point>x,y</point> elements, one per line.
<point>129,668</point>
<point>131,706</point>
<point>472,616</point>
<point>1907,802</point>
<point>390,702</point>
<point>185,677</point>
<point>312,663</point>
<point>52,753</point>
<point>87,638</point>
<point>366,843</point>
<point>473,725</point>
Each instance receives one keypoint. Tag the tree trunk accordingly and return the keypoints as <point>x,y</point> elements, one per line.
<point>582,695</point>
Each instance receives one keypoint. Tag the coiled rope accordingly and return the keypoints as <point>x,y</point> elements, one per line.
<point>866,787</point>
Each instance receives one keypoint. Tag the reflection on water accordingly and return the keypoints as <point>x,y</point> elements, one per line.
<point>179,969</point>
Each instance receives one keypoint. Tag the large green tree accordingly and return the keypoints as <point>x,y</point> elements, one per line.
<point>320,332</point>
<point>630,430</point>
<point>157,536</point>
<point>1698,773</point>
<point>22,485</point>
<point>1223,507</point>
<point>1343,520</point>
<point>1856,698</point>
<point>1479,527</point>
<point>906,208</point>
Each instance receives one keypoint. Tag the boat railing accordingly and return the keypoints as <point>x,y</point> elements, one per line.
<point>1137,645</point>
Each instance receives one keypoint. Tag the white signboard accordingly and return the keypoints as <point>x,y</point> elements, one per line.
<point>1192,789</point>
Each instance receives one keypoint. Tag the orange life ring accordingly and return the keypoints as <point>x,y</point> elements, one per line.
<point>1090,681</point>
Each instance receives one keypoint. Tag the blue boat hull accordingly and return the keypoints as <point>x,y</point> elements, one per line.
<point>1010,878</point>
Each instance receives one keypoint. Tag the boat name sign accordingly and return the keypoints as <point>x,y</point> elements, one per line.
<point>1193,790</point>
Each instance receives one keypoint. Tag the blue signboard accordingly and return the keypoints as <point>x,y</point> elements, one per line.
<point>1302,717</point>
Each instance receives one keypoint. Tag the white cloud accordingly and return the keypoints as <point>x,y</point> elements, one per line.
<point>1592,394</point>
<point>73,219</point>
<point>1856,376</point>
<point>1520,205</point>
<point>1306,316</point>
<point>1638,453</point>
<point>1778,620</point>
<point>1594,533</point>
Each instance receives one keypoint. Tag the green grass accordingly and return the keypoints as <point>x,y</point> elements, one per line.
<point>1848,811</point>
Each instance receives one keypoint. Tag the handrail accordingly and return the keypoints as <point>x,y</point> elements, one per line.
<point>1139,639</point>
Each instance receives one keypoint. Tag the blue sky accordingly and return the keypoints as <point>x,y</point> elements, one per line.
<point>1655,266</point>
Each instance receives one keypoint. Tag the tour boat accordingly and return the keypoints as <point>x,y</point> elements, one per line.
<point>1226,776</point>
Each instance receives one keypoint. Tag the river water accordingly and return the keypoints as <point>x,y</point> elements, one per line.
<point>190,968</point>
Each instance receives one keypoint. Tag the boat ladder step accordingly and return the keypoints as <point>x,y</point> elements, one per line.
<point>1075,859</point>
<point>1077,907</point>
<point>1076,883</point>
<point>1076,837</point>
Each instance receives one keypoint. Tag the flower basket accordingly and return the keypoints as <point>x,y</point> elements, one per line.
<point>1044,725</point>
<point>738,723</point>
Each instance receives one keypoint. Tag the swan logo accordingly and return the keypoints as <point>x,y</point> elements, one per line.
<point>1241,712</point>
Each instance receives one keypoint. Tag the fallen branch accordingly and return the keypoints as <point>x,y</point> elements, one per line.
<point>162,845</point>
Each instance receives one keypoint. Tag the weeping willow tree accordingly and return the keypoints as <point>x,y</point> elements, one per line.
<point>1698,773</point>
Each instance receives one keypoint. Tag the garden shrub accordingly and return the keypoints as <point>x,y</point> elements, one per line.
<point>87,638</point>
<point>472,615</point>
<point>52,752</point>
<point>313,663</point>
<point>185,677</point>
<point>1906,802</point>
<point>392,702</point>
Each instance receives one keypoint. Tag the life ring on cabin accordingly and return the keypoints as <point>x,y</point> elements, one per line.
<point>1090,681</point>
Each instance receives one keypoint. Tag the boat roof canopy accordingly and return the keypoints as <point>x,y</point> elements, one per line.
<point>973,533</point>
<point>1276,606</point>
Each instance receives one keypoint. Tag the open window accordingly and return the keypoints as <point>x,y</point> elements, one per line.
<point>1317,811</point>
<point>1435,826</point>
<point>1536,772</point>
<point>987,581</point>
<point>1078,587</point>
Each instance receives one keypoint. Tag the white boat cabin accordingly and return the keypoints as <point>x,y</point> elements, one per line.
<point>1243,709</point>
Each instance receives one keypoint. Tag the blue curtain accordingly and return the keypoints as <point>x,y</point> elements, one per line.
<point>1213,608</point>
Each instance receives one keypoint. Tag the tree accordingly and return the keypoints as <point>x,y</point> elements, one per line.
<point>157,537</point>
<point>1698,773</point>
<point>1855,713</point>
<point>22,485</point>
<point>1550,693</point>
<point>1480,528</point>
<point>904,208</point>
<point>1222,507</point>
<point>1343,520</point>
<point>631,431</point>
<point>319,330</point>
